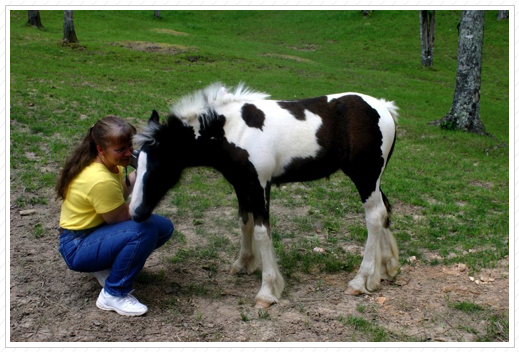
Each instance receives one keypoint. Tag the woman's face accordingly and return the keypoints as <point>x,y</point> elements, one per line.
<point>117,154</point>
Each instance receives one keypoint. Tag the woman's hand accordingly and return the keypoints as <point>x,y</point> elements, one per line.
<point>127,190</point>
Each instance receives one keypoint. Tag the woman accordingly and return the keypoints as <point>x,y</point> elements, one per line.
<point>97,234</point>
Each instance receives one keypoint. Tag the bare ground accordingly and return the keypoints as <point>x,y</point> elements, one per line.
<point>200,301</point>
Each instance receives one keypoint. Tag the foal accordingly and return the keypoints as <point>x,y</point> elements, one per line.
<point>255,142</point>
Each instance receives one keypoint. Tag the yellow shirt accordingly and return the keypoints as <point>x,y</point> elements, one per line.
<point>93,192</point>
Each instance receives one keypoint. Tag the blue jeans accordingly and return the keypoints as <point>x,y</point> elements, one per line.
<point>123,248</point>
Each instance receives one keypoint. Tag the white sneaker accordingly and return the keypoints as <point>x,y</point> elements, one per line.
<point>101,276</point>
<point>128,305</point>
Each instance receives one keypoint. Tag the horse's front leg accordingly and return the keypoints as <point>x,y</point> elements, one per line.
<point>257,242</point>
<point>257,245</point>
<point>249,259</point>
<point>272,283</point>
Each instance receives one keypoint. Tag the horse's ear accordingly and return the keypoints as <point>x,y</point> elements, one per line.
<point>154,117</point>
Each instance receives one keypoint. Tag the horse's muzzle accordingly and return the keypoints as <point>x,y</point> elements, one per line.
<point>140,218</point>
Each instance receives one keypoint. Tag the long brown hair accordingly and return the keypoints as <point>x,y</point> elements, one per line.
<point>109,130</point>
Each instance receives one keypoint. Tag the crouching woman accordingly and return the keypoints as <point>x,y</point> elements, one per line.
<point>97,234</point>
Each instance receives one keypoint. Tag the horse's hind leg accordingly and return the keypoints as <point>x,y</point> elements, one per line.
<point>381,252</point>
<point>388,246</point>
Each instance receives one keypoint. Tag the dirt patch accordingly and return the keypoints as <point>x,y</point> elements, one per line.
<point>305,47</point>
<point>291,57</point>
<point>171,32</point>
<point>154,47</point>
<point>198,300</point>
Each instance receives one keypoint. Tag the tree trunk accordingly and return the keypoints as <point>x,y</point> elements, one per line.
<point>464,113</point>
<point>156,14</point>
<point>34,19</point>
<point>69,34</point>
<point>502,15</point>
<point>427,22</point>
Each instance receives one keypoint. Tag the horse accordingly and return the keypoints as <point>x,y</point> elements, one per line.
<point>255,142</point>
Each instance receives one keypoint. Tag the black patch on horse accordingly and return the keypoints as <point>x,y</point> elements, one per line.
<point>364,160</point>
<point>253,116</point>
<point>297,107</point>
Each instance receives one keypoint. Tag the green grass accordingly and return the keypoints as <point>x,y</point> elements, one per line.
<point>370,331</point>
<point>207,252</point>
<point>496,327</point>
<point>450,189</point>
<point>468,307</point>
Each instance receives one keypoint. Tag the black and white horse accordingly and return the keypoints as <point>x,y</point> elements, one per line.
<point>255,142</point>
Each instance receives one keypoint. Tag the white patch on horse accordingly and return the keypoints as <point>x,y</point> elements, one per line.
<point>137,188</point>
<point>282,139</point>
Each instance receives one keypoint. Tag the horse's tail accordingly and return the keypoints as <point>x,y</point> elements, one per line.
<point>393,111</point>
<point>392,108</point>
<point>387,221</point>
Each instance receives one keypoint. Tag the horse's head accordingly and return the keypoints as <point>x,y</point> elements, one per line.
<point>160,164</point>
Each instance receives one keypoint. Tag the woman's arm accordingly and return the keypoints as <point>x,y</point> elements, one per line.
<point>119,214</point>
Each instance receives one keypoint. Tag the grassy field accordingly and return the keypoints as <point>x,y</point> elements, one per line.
<point>458,180</point>
<point>450,190</point>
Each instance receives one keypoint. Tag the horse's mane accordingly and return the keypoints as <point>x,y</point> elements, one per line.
<point>200,103</point>
<point>146,136</point>
<point>197,105</point>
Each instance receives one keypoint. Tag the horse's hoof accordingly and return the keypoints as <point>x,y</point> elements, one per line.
<point>263,304</point>
<point>353,291</point>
